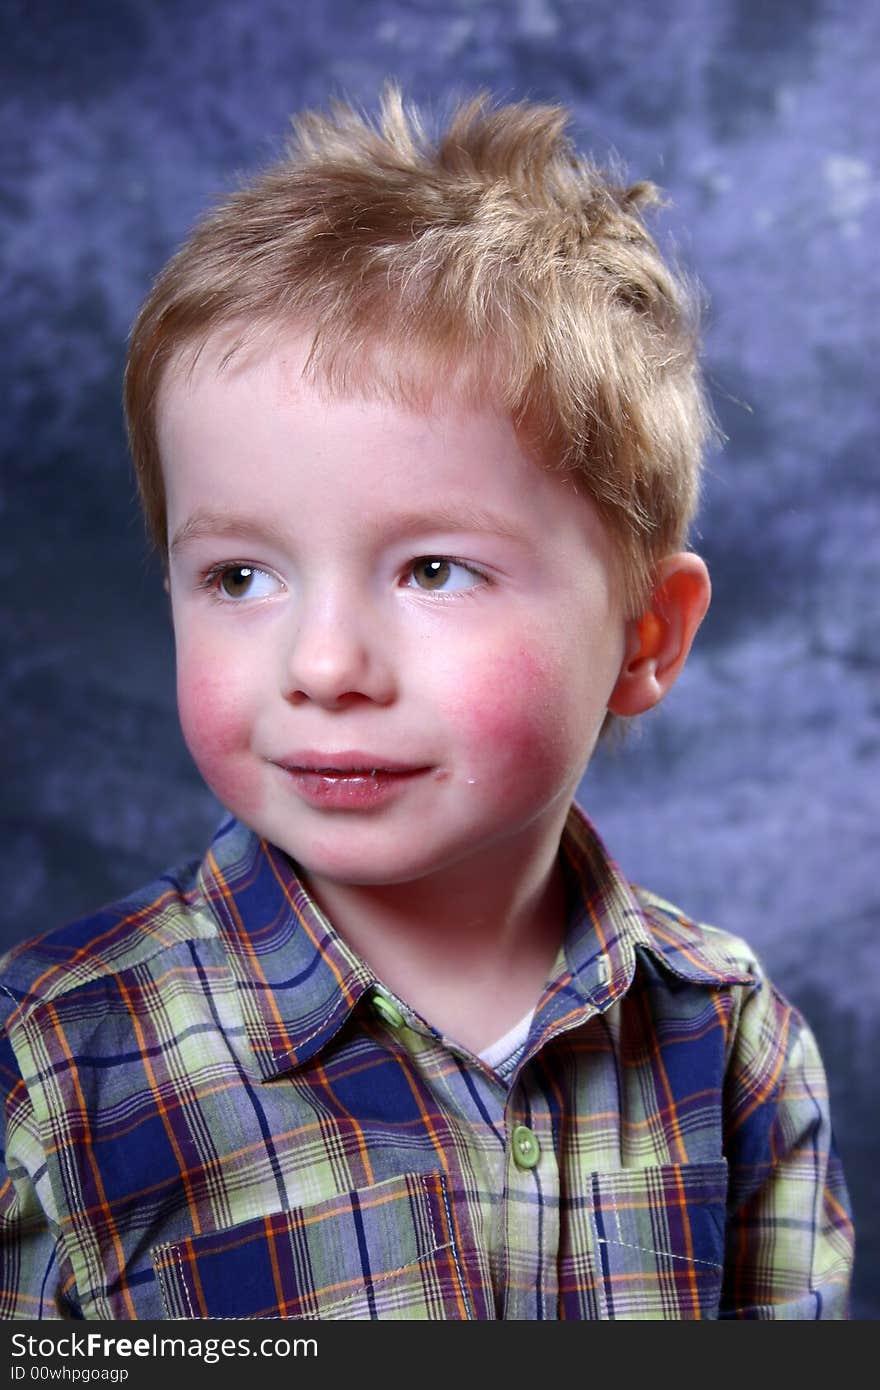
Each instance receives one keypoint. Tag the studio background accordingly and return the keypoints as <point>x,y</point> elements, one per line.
<point>750,797</point>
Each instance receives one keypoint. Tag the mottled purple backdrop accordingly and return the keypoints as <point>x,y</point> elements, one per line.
<point>751,797</point>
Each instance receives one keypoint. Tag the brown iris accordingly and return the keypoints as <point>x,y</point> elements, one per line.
<point>431,572</point>
<point>236,580</point>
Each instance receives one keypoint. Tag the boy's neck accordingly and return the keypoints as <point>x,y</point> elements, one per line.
<point>470,948</point>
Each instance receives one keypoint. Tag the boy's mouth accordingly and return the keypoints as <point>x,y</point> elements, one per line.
<point>349,765</point>
<point>349,781</point>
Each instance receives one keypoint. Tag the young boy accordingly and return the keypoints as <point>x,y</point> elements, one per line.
<point>418,431</point>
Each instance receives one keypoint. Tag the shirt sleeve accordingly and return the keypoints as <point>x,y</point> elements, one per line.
<point>790,1236</point>
<point>35,1276</point>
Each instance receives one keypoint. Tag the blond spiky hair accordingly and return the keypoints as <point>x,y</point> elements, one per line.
<point>494,260</point>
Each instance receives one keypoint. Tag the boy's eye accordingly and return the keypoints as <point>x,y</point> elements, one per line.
<point>242,581</point>
<point>436,572</point>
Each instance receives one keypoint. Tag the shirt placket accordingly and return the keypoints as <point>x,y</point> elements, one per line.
<point>531,1205</point>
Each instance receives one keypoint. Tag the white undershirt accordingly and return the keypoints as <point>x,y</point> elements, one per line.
<point>498,1052</point>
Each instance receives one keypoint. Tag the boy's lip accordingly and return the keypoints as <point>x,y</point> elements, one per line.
<point>350,763</point>
<point>352,781</point>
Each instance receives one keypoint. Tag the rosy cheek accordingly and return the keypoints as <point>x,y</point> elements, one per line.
<point>512,718</point>
<point>217,729</point>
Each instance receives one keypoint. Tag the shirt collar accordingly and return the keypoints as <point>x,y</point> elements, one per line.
<point>299,981</point>
<point>611,925</point>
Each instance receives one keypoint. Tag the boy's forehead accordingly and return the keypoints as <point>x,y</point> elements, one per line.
<point>255,378</point>
<point>247,378</point>
<point>484,475</point>
<point>422,377</point>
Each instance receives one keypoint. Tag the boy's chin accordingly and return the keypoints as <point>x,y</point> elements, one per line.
<point>352,873</point>
<point>373,867</point>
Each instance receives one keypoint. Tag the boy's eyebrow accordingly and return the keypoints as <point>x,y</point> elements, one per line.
<point>204,523</point>
<point>462,517</point>
<point>217,525</point>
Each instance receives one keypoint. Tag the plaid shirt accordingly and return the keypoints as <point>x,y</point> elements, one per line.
<point>214,1109</point>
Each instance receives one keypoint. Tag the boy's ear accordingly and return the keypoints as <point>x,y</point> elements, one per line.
<point>658,641</point>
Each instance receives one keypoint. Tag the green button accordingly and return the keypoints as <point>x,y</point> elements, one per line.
<point>526,1149</point>
<point>383,1006</point>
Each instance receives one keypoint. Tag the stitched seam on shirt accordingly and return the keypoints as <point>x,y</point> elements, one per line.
<point>620,1240</point>
<point>435,1250</point>
<point>184,1284</point>
<point>157,1251</point>
<point>424,1186</point>
<point>464,1288</point>
<point>16,1002</point>
<point>175,1250</point>
<point>263,1027</point>
<point>669,1255</point>
<point>369,983</point>
<point>292,1051</point>
<point>601,1290</point>
<point>392,1274</point>
<point>331,1308</point>
<point>160,1279</point>
<point>646,1250</point>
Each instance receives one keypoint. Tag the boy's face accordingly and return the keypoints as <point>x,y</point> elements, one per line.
<point>396,633</point>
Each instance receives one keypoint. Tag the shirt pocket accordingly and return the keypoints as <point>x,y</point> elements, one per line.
<point>396,1250</point>
<point>657,1237</point>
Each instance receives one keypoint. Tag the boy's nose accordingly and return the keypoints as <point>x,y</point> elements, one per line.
<point>337,655</point>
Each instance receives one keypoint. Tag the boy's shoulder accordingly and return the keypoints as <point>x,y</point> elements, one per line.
<point>170,911</point>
